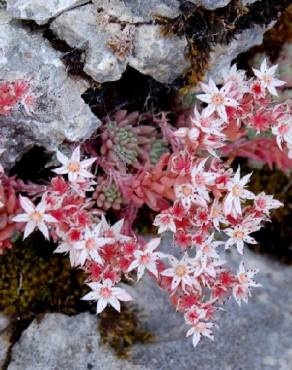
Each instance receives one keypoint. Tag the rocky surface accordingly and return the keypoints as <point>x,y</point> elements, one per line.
<point>257,336</point>
<point>92,27</point>
<point>138,11</point>
<point>57,341</point>
<point>222,55</point>
<point>5,338</point>
<point>40,11</point>
<point>152,53</point>
<point>58,112</point>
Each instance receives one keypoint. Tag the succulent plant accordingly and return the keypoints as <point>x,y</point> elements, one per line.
<point>107,194</point>
<point>8,208</point>
<point>126,140</point>
<point>158,147</point>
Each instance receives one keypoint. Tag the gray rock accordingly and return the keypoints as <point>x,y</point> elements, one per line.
<point>40,11</point>
<point>158,56</point>
<point>222,55</point>
<point>92,36</point>
<point>138,11</point>
<point>5,338</point>
<point>154,54</point>
<point>2,4</point>
<point>59,113</point>
<point>214,4</point>
<point>211,4</point>
<point>61,342</point>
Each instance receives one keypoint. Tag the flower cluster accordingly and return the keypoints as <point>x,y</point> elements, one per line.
<point>199,198</point>
<point>13,93</point>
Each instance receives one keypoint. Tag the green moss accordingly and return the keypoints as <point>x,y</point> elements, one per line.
<point>33,280</point>
<point>122,330</point>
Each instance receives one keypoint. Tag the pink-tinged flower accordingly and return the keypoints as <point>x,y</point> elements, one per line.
<point>146,259</point>
<point>236,193</point>
<point>185,193</point>
<point>241,290</point>
<point>264,203</point>
<point>240,235</point>
<point>34,217</point>
<point>69,247</point>
<point>105,293</point>
<point>74,167</point>
<point>216,214</point>
<point>257,90</point>
<point>90,245</point>
<point>164,222</point>
<point>200,329</point>
<point>217,99</point>
<point>201,179</point>
<point>208,248</point>
<point>180,272</point>
<point>237,78</point>
<point>206,265</point>
<point>283,130</point>
<point>267,79</point>
<point>206,124</point>
<point>191,134</point>
<point>113,233</point>
<point>181,164</point>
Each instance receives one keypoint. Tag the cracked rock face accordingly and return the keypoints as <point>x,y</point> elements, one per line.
<point>153,54</point>
<point>138,11</point>
<point>40,11</point>
<point>92,27</point>
<point>100,62</point>
<point>62,342</point>
<point>58,112</point>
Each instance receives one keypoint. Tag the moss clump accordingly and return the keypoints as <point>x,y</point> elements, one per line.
<point>122,330</point>
<point>33,280</point>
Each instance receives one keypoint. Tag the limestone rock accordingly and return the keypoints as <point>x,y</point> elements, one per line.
<point>61,342</point>
<point>5,338</point>
<point>153,54</point>
<point>58,112</point>
<point>222,55</point>
<point>211,4</point>
<point>92,36</point>
<point>40,11</point>
<point>214,4</point>
<point>138,11</point>
<point>158,56</point>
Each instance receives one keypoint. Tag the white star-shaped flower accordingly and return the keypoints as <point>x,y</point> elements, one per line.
<point>236,193</point>
<point>180,272</point>
<point>113,233</point>
<point>105,293</point>
<point>146,259</point>
<point>74,167</point>
<point>90,244</point>
<point>217,99</point>
<point>266,76</point>
<point>34,217</point>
